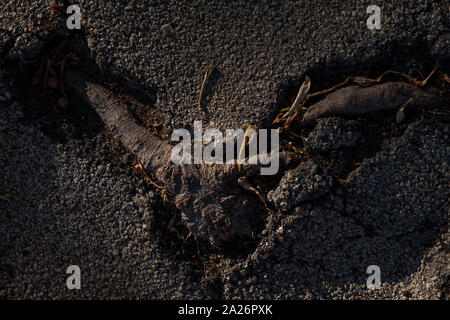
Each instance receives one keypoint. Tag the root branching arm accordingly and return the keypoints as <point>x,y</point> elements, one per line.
<point>150,149</point>
<point>358,100</point>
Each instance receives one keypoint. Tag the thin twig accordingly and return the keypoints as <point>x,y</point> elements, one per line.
<point>244,141</point>
<point>204,82</point>
<point>366,81</point>
<point>347,80</point>
<point>301,95</point>
<point>243,182</point>
<point>5,197</point>
<point>424,82</point>
<point>140,169</point>
<point>400,116</point>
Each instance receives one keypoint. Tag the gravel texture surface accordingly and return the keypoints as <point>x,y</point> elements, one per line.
<point>67,198</point>
<point>306,182</point>
<point>334,134</point>
<point>25,27</point>
<point>388,213</point>
<point>71,204</point>
<point>258,48</point>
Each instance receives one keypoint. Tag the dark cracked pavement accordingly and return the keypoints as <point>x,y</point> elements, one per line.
<point>69,196</point>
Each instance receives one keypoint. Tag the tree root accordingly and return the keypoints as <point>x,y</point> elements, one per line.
<point>213,207</point>
<point>354,100</point>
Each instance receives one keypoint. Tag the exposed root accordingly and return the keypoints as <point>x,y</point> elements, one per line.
<point>301,96</point>
<point>245,184</point>
<point>213,207</point>
<point>204,83</point>
<point>326,91</point>
<point>244,143</point>
<point>288,114</point>
<point>365,82</point>
<point>358,100</point>
<point>166,196</point>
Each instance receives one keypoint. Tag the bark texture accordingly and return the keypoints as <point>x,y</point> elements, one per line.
<point>214,207</point>
<point>359,100</point>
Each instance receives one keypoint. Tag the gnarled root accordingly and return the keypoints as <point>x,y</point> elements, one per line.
<point>149,149</point>
<point>358,100</point>
<point>214,208</point>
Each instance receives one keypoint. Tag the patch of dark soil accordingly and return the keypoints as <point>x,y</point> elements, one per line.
<point>75,122</point>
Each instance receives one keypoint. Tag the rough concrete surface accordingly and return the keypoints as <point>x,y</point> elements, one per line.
<point>68,198</point>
